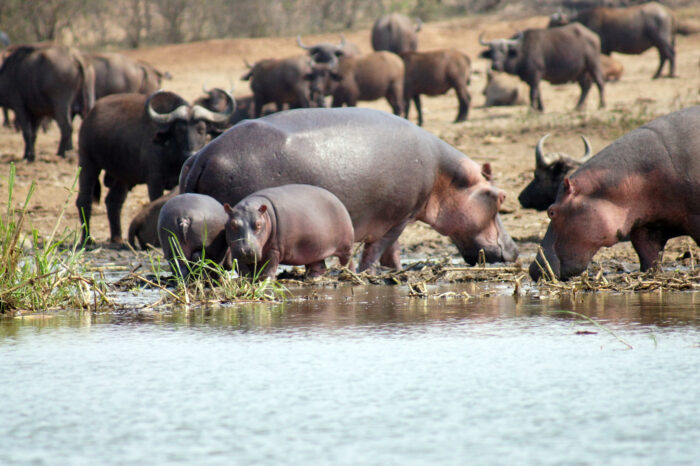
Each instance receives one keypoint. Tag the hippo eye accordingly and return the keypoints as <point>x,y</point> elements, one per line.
<point>258,226</point>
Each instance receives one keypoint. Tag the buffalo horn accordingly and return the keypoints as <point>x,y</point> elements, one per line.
<point>541,159</point>
<point>419,24</point>
<point>301,44</point>
<point>180,112</point>
<point>482,41</point>
<point>589,152</point>
<point>342,41</point>
<point>204,88</point>
<point>201,113</point>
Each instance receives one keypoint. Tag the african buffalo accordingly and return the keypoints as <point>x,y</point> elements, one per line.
<point>503,89</point>
<point>324,52</point>
<point>630,30</point>
<point>117,74</point>
<point>370,77</point>
<point>44,81</point>
<point>558,55</point>
<point>434,73</point>
<point>396,33</point>
<point>137,139</point>
<point>294,81</point>
<point>385,170</point>
<point>643,187</point>
<point>550,170</point>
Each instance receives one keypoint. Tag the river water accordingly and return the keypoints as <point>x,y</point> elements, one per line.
<point>362,375</point>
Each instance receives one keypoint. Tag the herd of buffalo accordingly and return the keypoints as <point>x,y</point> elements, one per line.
<point>254,185</point>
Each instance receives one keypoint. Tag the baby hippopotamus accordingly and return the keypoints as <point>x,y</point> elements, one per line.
<point>196,222</point>
<point>294,224</point>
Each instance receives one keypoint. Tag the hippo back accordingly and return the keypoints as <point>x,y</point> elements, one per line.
<point>381,167</point>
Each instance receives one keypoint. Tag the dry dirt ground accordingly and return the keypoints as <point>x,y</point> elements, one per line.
<point>505,137</point>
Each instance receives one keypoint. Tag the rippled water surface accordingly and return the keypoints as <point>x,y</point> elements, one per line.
<point>360,376</point>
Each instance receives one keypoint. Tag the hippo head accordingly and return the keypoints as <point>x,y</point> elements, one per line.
<point>248,230</point>
<point>503,53</point>
<point>468,214</point>
<point>580,224</point>
<point>550,170</point>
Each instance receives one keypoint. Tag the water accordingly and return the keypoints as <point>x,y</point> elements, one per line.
<point>367,376</point>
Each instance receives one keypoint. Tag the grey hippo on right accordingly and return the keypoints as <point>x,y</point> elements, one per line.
<point>644,187</point>
<point>387,172</point>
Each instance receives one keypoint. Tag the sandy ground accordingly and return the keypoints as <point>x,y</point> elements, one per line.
<point>505,137</point>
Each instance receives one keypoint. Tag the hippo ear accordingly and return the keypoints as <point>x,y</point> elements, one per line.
<point>227,208</point>
<point>486,171</point>
<point>262,209</point>
<point>569,187</point>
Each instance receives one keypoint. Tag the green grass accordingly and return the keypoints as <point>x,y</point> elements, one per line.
<point>38,274</point>
<point>206,281</point>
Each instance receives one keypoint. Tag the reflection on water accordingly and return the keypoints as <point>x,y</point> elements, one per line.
<point>358,375</point>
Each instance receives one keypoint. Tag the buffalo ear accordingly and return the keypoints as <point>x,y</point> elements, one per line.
<point>486,54</point>
<point>262,209</point>
<point>486,171</point>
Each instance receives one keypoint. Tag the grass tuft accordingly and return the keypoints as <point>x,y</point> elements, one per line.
<point>42,274</point>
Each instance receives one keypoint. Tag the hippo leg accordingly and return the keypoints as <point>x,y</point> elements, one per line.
<point>115,200</point>
<point>391,257</point>
<point>270,267</point>
<point>374,250</point>
<point>648,243</point>
<point>315,269</point>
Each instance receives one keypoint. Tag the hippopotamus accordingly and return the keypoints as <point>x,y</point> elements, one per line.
<point>144,226</point>
<point>644,187</point>
<point>198,223</point>
<point>294,224</point>
<point>387,172</point>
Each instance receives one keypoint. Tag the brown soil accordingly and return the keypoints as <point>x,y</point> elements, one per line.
<point>505,137</point>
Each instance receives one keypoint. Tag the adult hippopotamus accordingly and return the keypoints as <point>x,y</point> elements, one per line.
<point>198,224</point>
<point>294,224</point>
<point>644,187</point>
<point>387,172</point>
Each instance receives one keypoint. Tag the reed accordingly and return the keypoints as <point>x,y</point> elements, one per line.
<point>38,274</point>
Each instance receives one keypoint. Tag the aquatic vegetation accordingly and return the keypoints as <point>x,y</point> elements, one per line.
<point>206,281</point>
<point>37,273</point>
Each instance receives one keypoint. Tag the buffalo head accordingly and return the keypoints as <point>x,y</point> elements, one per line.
<point>550,170</point>
<point>325,52</point>
<point>182,128</point>
<point>503,53</point>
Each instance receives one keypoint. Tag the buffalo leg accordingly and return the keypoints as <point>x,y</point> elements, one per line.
<point>419,109</point>
<point>648,243</point>
<point>64,121</point>
<point>115,200</point>
<point>6,118</point>
<point>535,98</point>
<point>464,99</point>
<point>666,52</point>
<point>87,182</point>
<point>395,99</point>
<point>585,83</point>
<point>29,125</point>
